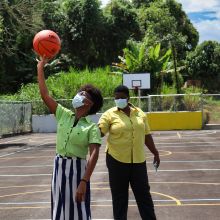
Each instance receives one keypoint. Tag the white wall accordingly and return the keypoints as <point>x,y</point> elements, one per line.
<point>47,123</point>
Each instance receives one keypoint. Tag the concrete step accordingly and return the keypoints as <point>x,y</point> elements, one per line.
<point>212,126</point>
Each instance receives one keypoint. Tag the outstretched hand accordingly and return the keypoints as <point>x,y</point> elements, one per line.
<point>42,62</point>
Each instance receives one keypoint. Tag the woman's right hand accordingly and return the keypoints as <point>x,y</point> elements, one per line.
<point>42,62</point>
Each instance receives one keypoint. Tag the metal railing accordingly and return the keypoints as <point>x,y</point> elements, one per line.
<point>15,117</point>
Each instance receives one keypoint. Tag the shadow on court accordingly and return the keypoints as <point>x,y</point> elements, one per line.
<point>186,186</point>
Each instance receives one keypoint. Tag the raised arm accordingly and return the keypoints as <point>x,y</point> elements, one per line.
<point>48,100</point>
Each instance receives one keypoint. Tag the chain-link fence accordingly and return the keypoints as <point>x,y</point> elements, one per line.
<point>175,102</point>
<point>151,103</point>
<point>211,108</point>
<point>15,117</point>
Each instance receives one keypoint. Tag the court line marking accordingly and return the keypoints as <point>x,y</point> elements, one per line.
<point>194,152</point>
<point>37,157</point>
<point>158,147</point>
<point>25,149</point>
<point>179,135</point>
<point>191,142</point>
<point>186,132</point>
<point>183,170</point>
<point>184,137</point>
<point>156,205</point>
<point>31,166</point>
<point>188,146</point>
<point>168,196</point>
<point>166,153</point>
<point>25,193</point>
<point>106,172</point>
<point>23,186</point>
<point>106,188</point>
<point>172,161</point>
<point>99,183</point>
<point>101,164</point>
<point>14,140</point>
<point>93,188</point>
<point>103,200</point>
<point>5,155</point>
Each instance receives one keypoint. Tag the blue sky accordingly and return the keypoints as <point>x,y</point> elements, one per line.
<point>204,14</point>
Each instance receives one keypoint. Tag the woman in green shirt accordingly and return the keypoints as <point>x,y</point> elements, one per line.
<point>76,135</point>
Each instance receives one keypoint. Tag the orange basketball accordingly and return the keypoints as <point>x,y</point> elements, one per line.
<point>46,43</point>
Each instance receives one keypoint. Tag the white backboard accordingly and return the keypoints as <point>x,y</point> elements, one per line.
<point>140,80</point>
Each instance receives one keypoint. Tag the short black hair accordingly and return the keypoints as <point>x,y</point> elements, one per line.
<point>96,97</point>
<point>123,89</point>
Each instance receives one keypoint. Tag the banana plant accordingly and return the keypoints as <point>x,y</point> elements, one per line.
<point>134,58</point>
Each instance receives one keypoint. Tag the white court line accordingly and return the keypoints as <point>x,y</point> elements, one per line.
<point>153,171</point>
<point>105,172</point>
<point>29,148</point>
<point>34,166</point>
<point>186,146</point>
<point>192,142</point>
<point>183,137</point>
<point>18,139</point>
<point>26,175</point>
<point>182,133</point>
<point>4,155</point>
<point>101,164</point>
<point>162,161</point>
<point>187,161</point>
<point>109,200</point>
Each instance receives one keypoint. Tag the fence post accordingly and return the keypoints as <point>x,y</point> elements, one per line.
<point>202,109</point>
<point>149,103</point>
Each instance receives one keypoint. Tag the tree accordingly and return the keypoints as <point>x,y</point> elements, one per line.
<point>122,24</point>
<point>83,28</point>
<point>138,57</point>
<point>139,3</point>
<point>19,21</point>
<point>204,64</point>
<point>184,25</point>
<point>165,21</point>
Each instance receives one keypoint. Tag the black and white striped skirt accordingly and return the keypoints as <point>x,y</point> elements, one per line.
<point>67,174</point>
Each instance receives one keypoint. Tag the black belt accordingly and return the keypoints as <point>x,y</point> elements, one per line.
<point>65,157</point>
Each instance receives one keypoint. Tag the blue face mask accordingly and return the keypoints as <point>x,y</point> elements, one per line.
<point>121,103</point>
<point>78,101</point>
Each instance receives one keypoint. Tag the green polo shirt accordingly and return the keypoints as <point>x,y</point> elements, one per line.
<point>74,141</point>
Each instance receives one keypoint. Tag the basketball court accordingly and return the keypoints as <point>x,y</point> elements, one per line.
<point>186,186</point>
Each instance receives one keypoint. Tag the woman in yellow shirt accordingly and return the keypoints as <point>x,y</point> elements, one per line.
<point>76,135</point>
<point>125,155</point>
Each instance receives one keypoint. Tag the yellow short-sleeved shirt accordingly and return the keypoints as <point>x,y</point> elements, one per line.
<point>74,141</point>
<point>126,139</point>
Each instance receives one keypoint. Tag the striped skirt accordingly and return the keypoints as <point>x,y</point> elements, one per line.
<point>67,174</point>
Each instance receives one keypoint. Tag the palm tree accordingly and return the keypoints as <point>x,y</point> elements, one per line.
<point>139,58</point>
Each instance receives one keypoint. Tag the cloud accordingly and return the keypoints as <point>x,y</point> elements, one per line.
<point>199,16</point>
<point>205,16</point>
<point>199,5</point>
<point>208,30</point>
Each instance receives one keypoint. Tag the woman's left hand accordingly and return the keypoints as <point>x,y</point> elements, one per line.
<point>157,160</point>
<point>81,192</point>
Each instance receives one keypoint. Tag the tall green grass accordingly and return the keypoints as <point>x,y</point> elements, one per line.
<point>65,85</point>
